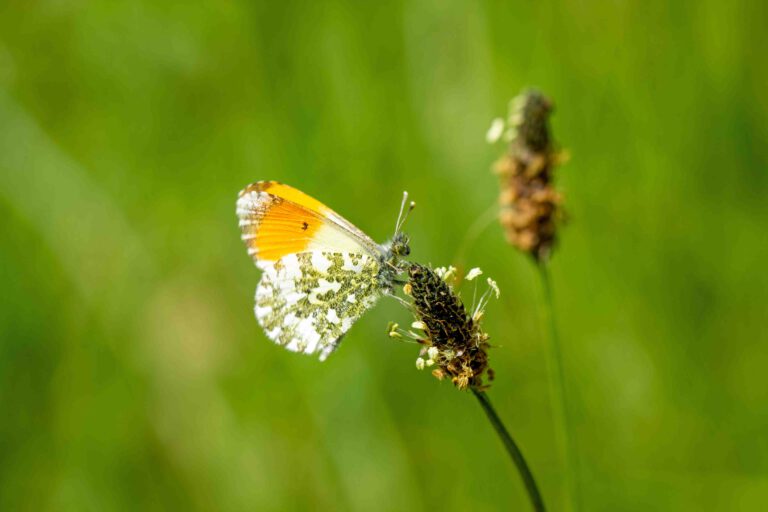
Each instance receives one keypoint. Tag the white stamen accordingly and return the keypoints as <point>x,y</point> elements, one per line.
<point>495,131</point>
<point>494,287</point>
<point>473,274</point>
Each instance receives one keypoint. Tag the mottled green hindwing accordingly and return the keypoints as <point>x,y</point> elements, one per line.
<point>307,301</point>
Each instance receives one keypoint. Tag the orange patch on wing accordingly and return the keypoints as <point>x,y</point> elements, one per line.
<point>283,222</point>
<point>284,229</point>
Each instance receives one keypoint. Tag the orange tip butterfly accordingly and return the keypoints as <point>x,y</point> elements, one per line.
<point>320,272</point>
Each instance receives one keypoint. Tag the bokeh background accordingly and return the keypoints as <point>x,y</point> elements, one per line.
<point>133,375</point>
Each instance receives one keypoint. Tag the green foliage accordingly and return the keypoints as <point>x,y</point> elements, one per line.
<point>133,375</point>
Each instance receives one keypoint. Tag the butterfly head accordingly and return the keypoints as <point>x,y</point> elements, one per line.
<point>400,245</point>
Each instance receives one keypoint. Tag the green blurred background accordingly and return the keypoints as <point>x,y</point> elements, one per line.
<point>133,375</point>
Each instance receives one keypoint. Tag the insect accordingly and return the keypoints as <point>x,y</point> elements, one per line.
<point>320,272</point>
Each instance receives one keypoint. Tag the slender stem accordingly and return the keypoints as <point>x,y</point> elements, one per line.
<point>514,451</point>
<point>558,391</point>
<point>474,231</point>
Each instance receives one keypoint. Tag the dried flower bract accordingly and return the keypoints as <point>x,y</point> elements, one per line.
<point>530,206</point>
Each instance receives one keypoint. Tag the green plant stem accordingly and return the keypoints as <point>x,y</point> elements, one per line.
<point>513,450</point>
<point>558,391</point>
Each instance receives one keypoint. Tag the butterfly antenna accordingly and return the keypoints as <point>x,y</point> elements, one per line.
<point>400,214</point>
<point>404,214</point>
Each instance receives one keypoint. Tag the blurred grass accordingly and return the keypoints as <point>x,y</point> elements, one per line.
<point>132,373</point>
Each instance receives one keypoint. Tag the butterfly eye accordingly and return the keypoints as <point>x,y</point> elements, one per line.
<point>400,245</point>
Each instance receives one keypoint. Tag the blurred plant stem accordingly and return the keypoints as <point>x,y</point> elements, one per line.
<point>558,391</point>
<point>473,232</point>
<point>513,450</point>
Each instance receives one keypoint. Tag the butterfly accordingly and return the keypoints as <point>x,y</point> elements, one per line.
<point>320,273</point>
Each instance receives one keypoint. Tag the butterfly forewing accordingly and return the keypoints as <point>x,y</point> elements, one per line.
<point>276,220</point>
<point>307,301</point>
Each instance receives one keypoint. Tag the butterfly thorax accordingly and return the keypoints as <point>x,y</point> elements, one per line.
<point>392,262</point>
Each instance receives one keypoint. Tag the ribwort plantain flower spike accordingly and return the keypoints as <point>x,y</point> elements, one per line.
<point>453,341</point>
<point>452,337</point>
<point>530,205</point>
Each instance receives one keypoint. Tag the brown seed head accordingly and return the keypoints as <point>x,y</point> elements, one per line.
<point>530,206</point>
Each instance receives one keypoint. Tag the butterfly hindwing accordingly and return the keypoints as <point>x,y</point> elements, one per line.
<point>307,301</point>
